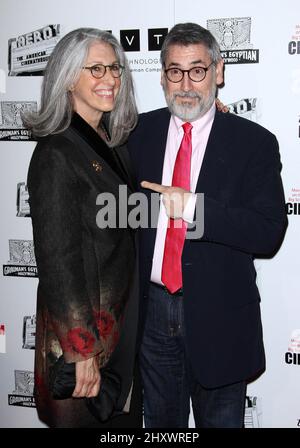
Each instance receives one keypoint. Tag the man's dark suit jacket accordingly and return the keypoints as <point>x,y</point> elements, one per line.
<point>244,217</point>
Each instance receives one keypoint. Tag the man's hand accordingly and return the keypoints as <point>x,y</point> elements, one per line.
<point>87,378</point>
<point>174,198</point>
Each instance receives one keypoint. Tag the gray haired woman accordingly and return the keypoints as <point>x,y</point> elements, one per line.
<point>86,300</point>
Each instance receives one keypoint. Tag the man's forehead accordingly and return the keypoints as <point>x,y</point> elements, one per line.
<point>191,51</point>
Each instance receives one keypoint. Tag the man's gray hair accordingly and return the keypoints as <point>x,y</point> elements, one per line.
<point>63,71</point>
<point>188,34</point>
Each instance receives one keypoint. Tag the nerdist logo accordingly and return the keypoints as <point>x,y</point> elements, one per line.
<point>21,259</point>
<point>292,356</point>
<point>294,43</point>
<point>23,393</point>
<point>233,35</point>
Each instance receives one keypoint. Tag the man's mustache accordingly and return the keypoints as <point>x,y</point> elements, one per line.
<point>190,94</point>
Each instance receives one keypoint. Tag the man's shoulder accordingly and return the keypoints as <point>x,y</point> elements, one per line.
<point>242,125</point>
<point>155,114</point>
<point>149,122</point>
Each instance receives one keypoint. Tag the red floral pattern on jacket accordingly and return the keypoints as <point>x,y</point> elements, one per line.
<point>79,340</point>
<point>105,323</point>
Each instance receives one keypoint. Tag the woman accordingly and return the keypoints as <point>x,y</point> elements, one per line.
<point>86,304</point>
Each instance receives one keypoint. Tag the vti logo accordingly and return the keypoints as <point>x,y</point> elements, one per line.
<point>131,39</point>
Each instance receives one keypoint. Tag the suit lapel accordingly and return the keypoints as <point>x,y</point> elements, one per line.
<point>152,167</point>
<point>122,158</point>
<point>156,147</point>
<point>95,149</point>
<point>214,166</point>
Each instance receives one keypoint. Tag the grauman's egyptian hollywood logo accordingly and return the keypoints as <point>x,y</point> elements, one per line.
<point>22,261</point>
<point>233,36</point>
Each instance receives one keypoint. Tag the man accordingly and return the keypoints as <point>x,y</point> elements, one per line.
<point>202,334</point>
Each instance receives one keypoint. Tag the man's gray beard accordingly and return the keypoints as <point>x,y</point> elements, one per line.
<point>186,111</point>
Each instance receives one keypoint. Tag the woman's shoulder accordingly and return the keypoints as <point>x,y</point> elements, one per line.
<point>52,147</point>
<point>53,142</point>
<point>52,152</point>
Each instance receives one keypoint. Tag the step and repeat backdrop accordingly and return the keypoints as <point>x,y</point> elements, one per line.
<point>260,44</point>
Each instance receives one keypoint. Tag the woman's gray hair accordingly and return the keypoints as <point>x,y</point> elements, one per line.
<point>63,70</point>
<point>188,34</point>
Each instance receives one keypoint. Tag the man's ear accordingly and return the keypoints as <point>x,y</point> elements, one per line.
<point>220,72</point>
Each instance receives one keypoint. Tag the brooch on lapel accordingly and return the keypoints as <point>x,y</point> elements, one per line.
<point>97,167</point>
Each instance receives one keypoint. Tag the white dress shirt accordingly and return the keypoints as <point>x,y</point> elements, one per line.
<point>200,133</point>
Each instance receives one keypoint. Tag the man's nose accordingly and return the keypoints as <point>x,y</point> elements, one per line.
<point>186,83</point>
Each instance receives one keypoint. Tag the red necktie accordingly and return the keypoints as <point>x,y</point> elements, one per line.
<point>171,268</point>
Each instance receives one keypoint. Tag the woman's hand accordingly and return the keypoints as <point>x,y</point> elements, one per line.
<point>88,378</point>
<point>220,106</point>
